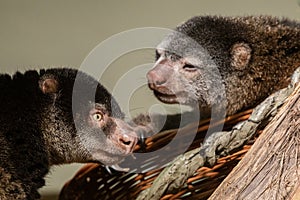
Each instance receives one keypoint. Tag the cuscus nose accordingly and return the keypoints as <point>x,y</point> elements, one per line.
<point>155,79</point>
<point>128,141</point>
<point>126,138</point>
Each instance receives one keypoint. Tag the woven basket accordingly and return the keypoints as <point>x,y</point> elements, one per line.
<point>94,182</point>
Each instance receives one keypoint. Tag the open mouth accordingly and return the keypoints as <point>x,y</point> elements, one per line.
<point>166,98</point>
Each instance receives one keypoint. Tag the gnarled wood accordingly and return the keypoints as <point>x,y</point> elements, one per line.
<point>271,169</point>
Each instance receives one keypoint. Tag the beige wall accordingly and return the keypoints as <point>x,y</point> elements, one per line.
<point>37,33</point>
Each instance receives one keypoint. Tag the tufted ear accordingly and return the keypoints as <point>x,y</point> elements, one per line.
<point>240,55</point>
<point>48,85</point>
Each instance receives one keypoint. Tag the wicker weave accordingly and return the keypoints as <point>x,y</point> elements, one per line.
<point>94,182</point>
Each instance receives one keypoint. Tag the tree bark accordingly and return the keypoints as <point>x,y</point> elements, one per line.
<point>270,170</point>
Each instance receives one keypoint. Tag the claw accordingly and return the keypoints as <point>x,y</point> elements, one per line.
<point>117,168</point>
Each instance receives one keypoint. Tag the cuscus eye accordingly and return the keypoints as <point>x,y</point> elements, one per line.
<point>97,117</point>
<point>157,55</point>
<point>189,67</point>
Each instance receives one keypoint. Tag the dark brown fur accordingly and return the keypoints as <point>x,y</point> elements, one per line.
<point>42,126</point>
<point>253,55</point>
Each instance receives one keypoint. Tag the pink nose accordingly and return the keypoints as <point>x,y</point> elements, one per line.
<point>125,136</point>
<point>155,79</point>
<point>127,141</point>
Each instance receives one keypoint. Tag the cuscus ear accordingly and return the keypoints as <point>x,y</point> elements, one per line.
<point>240,55</point>
<point>48,85</point>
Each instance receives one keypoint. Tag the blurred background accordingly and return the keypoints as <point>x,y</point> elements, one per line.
<point>39,34</point>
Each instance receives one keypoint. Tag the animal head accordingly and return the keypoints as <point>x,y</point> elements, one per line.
<point>85,118</point>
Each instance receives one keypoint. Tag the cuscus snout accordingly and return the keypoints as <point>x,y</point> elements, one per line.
<point>125,137</point>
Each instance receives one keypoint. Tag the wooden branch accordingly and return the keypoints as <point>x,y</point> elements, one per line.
<point>271,169</point>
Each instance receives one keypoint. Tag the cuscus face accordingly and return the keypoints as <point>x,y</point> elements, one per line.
<point>198,63</point>
<point>182,72</point>
<point>86,113</point>
<point>107,139</point>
